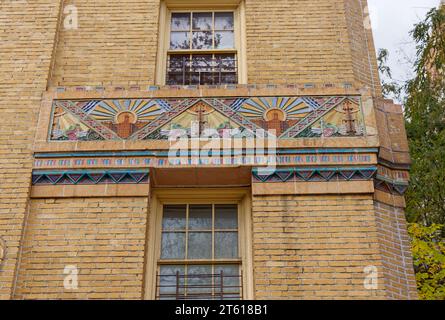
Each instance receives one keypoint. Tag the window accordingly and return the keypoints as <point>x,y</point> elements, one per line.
<point>202,47</point>
<point>199,252</point>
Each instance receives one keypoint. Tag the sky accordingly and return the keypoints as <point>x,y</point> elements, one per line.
<point>392,21</point>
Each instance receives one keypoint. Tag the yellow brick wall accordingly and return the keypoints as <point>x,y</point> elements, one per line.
<point>115,44</point>
<point>292,41</point>
<point>297,41</point>
<point>361,44</point>
<point>314,247</point>
<point>311,247</point>
<point>26,42</point>
<point>103,237</point>
<point>395,246</point>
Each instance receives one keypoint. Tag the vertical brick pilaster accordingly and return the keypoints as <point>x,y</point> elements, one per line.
<point>26,46</point>
<point>395,247</point>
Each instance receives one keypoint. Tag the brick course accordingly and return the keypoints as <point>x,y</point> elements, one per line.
<point>304,246</point>
<point>27,35</point>
<point>395,248</point>
<point>103,237</point>
<point>314,247</point>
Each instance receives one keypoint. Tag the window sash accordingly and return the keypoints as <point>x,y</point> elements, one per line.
<point>213,232</point>
<point>186,284</point>
<point>214,69</point>
<point>212,283</point>
<point>192,30</point>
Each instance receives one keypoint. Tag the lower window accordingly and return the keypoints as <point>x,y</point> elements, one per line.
<point>199,257</point>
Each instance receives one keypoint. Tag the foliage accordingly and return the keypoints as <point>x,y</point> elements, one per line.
<point>425,123</point>
<point>425,114</point>
<point>390,89</point>
<point>429,260</point>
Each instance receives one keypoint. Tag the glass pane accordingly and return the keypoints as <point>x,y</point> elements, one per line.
<point>168,282</point>
<point>194,78</point>
<point>202,40</point>
<point>231,282</point>
<point>174,78</point>
<point>226,245</point>
<point>226,62</point>
<point>200,245</point>
<point>202,62</point>
<point>226,216</point>
<point>208,78</point>
<point>199,282</point>
<point>229,78</point>
<point>174,217</point>
<point>180,22</point>
<point>178,61</point>
<point>173,245</point>
<point>223,20</point>
<point>179,40</point>
<point>224,40</point>
<point>202,21</point>
<point>200,217</point>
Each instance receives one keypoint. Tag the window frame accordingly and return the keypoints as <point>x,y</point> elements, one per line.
<point>213,50</point>
<point>172,196</point>
<point>213,231</point>
<point>211,262</point>
<point>169,7</point>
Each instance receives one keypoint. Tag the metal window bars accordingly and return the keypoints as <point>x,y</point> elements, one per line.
<point>217,286</point>
<point>202,69</point>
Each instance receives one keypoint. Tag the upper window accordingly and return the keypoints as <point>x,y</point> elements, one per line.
<point>202,49</point>
<point>202,31</point>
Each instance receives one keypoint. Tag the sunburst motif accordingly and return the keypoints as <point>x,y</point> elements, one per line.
<point>294,108</point>
<point>144,109</point>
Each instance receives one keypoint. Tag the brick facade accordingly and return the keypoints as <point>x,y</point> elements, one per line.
<point>395,250</point>
<point>314,247</point>
<point>27,44</point>
<point>104,239</point>
<point>311,238</point>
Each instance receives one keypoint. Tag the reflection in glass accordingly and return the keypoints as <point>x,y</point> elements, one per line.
<point>223,20</point>
<point>230,281</point>
<point>174,217</point>
<point>226,216</point>
<point>200,217</point>
<point>202,40</point>
<point>202,62</point>
<point>199,245</point>
<point>173,245</point>
<point>168,282</point>
<point>224,40</point>
<point>178,62</point>
<point>229,78</point>
<point>179,40</point>
<point>226,245</point>
<point>180,22</point>
<point>199,281</point>
<point>202,21</point>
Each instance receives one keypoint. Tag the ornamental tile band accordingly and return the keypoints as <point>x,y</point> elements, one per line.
<point>391,186</point>
<point>90,177</point>
<point>316,174</point>
<point>159,119</point>
<point>246,157</point>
